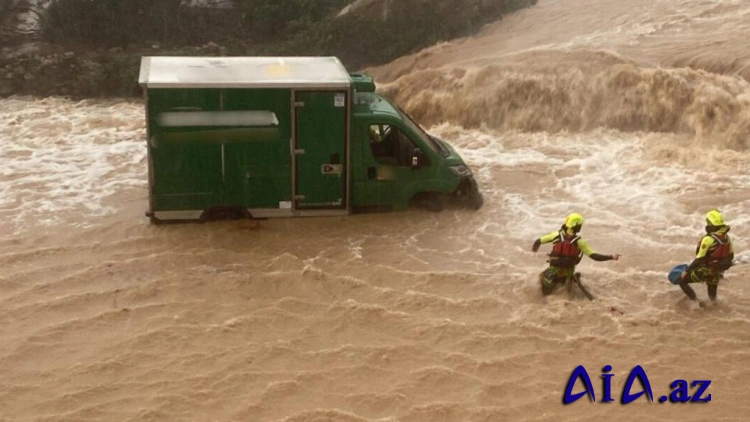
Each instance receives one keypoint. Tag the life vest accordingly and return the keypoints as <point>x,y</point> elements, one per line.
<point>565,251</point>
<point>718,254</point>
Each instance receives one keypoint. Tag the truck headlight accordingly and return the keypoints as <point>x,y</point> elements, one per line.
<point>460,170</point>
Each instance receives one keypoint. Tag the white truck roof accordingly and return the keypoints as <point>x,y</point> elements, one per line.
<point>242,72</point>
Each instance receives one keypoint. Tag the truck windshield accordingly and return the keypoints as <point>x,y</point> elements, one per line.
<point>427,139</point>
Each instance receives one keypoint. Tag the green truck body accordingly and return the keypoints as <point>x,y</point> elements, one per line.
<point>283,137</point>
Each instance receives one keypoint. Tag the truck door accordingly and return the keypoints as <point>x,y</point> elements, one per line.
<point>320,149</point>
<point>388,163</point>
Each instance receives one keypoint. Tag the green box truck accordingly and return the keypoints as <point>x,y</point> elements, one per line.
<point>265,137</point>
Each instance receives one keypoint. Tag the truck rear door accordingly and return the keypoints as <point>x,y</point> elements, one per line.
<point>321,149</point>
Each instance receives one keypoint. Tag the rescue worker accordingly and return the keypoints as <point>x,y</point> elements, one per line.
<point>713,255</point>
<point>567,250</point>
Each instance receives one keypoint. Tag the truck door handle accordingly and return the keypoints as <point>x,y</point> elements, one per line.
<point>371,174</point>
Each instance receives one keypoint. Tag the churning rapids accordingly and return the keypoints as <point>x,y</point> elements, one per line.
<point>635,113</point>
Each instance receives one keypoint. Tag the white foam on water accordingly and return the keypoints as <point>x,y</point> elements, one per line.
<point>604,175</point>
<point>65,157</point>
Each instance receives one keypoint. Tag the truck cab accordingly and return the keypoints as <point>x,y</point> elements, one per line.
<point>396,163</point>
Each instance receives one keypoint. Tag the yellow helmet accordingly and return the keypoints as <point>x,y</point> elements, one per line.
<point>574,220</point>
<point>714,218</point>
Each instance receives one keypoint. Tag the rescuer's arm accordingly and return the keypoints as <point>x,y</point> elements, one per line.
<point>585,248</point>
<point>544,239</point>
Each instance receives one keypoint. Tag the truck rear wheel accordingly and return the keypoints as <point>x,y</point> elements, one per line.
<point>224,213</point>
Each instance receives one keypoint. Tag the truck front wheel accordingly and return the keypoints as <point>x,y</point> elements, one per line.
<point>430,201</point>
<point>468,194</point>
<point>476,200</point>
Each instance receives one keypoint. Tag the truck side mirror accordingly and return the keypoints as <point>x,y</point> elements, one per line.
<point>417,159</point>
